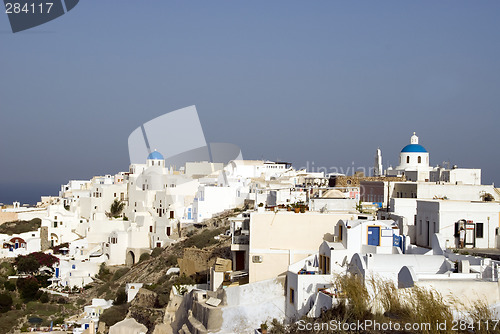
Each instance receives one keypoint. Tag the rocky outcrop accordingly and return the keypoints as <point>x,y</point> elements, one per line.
<point>144,298</point>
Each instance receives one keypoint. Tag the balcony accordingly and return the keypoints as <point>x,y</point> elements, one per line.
<point>241,239</point>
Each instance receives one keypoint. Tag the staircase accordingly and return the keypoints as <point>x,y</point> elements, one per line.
<point>497,195</point>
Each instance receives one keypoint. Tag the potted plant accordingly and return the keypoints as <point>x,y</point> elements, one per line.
<point>263,328</point>
<point>260,207</point>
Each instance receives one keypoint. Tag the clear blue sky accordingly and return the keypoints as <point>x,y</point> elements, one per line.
<point>323,81</point>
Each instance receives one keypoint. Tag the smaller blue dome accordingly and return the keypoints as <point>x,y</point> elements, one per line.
<point>413,148</point>
<point>155,156</point>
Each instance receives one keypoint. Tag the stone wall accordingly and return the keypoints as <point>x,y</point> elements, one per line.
<point>354,181</point>
<point>6,217</point>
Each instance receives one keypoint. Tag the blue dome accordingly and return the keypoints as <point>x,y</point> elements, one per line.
<point>413,148</point>
<point>155,156</point>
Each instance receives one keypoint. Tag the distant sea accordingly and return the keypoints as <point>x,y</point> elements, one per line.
<point>26,193</point>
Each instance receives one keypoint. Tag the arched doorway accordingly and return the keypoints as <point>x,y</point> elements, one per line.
<point>130,258</point>
<point>54,240</point>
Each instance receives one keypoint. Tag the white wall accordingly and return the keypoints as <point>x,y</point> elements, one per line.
<point>442,216</point>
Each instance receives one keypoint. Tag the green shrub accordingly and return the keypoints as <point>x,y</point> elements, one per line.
<point>5,302</point>
<point>114,314</point>
<point>7,269</point>
<point>156,251</point>
<point>121,297</point>
<point>164,285</point>
<point>104,273</point>
<point>20,226</point>
<point>203,239</point>
<point>28,288</point>
<point>62,300</point>
<point>103,289</point>
<point>9,286</point>
<point>119,273</point>
<point>44,298</point>
<point>144,257</point>
<point>171,260</point>
<point>43,280</point>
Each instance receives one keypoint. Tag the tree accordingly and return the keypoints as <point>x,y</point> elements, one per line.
<point>45,259</point>
<point>121,297</point>
<point>116,208</point>
<point>28,287</point>
<point>27,264</point>
<point>31,263</point>
<point>5,302</point>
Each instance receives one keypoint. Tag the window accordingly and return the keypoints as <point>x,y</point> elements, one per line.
<point>151,229</point>
<point>55,224</point>
<point>171,214</point>
<point>420,227</point>
<point>479,230</point>
<point>292,296</point>
<point>407,159</point>
<point>419,159</point>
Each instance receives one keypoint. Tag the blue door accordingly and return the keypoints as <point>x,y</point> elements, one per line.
<point>374,235</point>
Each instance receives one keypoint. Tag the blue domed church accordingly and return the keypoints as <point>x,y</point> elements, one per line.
<point>413,162</point>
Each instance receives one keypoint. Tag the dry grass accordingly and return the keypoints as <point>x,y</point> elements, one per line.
<point>354,295</point>
<point>380,300</point>
<point>480,313</point>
